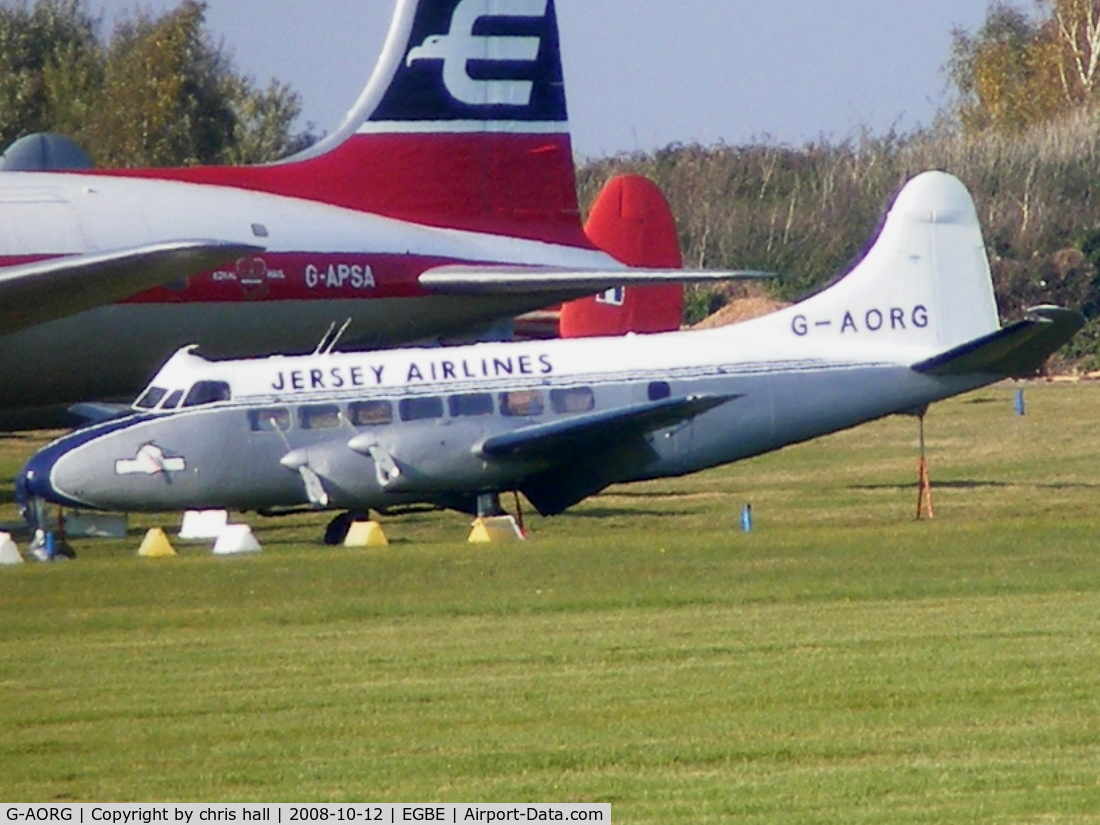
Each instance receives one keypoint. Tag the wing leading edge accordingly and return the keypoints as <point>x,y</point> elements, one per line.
<point>534,280</point>
<point>35,293</point>
<point>562,440</point>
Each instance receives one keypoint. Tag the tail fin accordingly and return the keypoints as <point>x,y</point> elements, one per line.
<point>925,282</point>
<point>462,125</point>
<point>632,222</point>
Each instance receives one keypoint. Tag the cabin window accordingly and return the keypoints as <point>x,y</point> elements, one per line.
<point>370,413</point>
<point>319,417</point>
<point>659,390</point>
<point>260,421</point>
<point>207,392</point>
<point>173,400</point>
<point>573,400</point>
<point>470,405</point>
<point>151,398</point>
<point>419,409</point>
<point>521,403</point>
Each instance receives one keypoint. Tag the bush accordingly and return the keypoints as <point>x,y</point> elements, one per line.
<point>810,213</point>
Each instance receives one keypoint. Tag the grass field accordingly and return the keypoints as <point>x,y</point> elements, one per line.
<point>841,663</point>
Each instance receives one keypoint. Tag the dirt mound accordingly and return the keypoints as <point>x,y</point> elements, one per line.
<point>741,309</point>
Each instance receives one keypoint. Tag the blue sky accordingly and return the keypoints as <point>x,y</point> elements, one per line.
<point>645,73</point>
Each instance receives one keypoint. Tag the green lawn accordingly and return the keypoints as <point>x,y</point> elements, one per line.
<point>841,663</point>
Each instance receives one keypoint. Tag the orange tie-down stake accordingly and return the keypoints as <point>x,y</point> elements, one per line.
<point>924,494</point>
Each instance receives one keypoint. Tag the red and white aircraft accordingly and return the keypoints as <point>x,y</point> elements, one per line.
<point>446,201</point>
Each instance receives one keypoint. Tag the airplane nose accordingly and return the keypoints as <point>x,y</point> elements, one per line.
<point>33,481</point>
<point>32,486</point>
<point>43,478</point>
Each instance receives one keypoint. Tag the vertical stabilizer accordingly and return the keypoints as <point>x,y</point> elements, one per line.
<point>632,222</point>
<point>925,282</point>
<point>463,124</point>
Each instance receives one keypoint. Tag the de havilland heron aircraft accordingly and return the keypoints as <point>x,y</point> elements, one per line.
<point>914,322</point>
<point>445,202</point>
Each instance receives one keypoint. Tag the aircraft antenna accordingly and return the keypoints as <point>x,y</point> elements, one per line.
<point>336,338</point>
<point>324,338</point>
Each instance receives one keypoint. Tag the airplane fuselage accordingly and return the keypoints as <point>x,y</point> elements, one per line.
<point>321,264</point>
<point>428,411</point>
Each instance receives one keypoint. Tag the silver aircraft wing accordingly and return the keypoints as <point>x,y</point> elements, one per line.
<point>534,280</point>
<point>34,293</point>
<point>582,455</point>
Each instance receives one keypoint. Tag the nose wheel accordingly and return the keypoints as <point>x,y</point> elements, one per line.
<point>49,541</point>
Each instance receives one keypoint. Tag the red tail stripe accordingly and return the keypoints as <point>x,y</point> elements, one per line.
<point>502,184</point>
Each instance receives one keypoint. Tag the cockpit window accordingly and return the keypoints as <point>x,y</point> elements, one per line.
<point>207,392</point>
<point>151,398</point>
<point>173,400</point>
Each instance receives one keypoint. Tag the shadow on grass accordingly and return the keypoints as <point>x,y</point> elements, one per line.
<point>651,494</point>
<point>946,485</point>
<point>622,512</point>
<point>970,484</point>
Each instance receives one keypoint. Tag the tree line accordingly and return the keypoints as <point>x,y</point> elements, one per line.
<point>158,90</point>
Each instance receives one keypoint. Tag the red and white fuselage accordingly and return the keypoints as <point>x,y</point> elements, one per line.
<point>458,152</point>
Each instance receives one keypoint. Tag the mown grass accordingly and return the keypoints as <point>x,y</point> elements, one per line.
<point>841,663</point>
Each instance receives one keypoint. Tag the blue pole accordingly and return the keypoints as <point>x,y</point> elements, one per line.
<point>1020,408</point>
<point>746,518</point>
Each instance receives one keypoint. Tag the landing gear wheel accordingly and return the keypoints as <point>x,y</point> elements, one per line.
<point>337,530</point>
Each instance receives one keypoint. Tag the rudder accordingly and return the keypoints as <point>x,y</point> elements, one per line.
<point>462,125</point>
<point>925,282</point>
<point>632,222</point>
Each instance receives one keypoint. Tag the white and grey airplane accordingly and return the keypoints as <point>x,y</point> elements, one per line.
<point>913,323</point>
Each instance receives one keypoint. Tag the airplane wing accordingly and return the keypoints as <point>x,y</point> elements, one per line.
<point>533,280</point>
<point>584,454</point>
<point>562,440</point>
<point>1016,351</point>
<point>32,294</point>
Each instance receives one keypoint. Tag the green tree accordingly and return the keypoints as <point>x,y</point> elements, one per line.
<point>996,71</point>
<point>158,92</point>
<point>50,66</point>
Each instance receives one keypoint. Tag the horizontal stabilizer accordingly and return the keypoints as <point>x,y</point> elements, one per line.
<point>1016,351</point>
<point>532,280</point>
<point>632,222</point>
<point>562,440</point>
<point>34,293</point>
